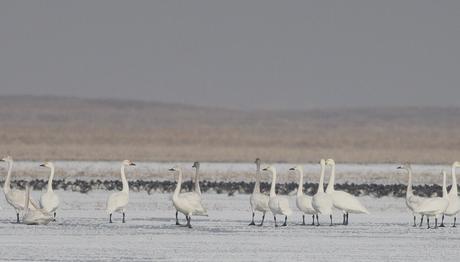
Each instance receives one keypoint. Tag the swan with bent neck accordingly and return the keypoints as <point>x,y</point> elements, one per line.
<point>342,200</point>
<point>454,202</point>
<point>16,198</point>
<point>37,216</point>
<point>412,201</point>
<point>118,201</point>
<point>258,201</point>
<point>322,202</point>
<point>278,205</point>
<point>50,200</point>
<point>186,203</point>
<point>303,202</point>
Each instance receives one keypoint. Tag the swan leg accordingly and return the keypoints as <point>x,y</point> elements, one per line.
<point>455,220</point>
<point>317,220</point>
<point>123,221</point>
<point>17,217</point>
<point>346,222</point>
<point>110,218</point>
<point>313,219</point>
<point>54,216</point>
<point>414,221</point>
<point>263,218</point>
<point>442,221</point>
<point>285,221</point>
<point>421,221</point>
<point>330,216</point>
<point>274,217</point>
<point>344,217</point>
<point>177,218</point>
<point>252,221</point>
<point>303,220</point>
<point>435,222</point>
<point>428,221</point>
<point>189,218</point>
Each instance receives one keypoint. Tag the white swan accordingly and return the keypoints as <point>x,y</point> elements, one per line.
<point>259,201</point>
<point>196,194</point>
<point>322,202</point>
<point>50,200</point>
<point>185,203</point>
<point>34,216</point>
<point>303,202</point>
<point>277,205</point>
<point>118,201</point>
<point>412,202</point>
<point>16,198</point>
<point>435,206</point>
<point>454,202</point>
<point>342,200</point>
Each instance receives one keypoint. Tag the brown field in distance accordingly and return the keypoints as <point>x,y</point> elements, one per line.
<point>38,128</point>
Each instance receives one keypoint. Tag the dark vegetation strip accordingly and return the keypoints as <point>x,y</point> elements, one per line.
<point>230,188</point>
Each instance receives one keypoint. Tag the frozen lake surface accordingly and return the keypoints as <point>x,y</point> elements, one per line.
<point>345,173</point>
<point>82,232</point>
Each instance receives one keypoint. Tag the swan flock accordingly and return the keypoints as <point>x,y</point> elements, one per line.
<point>324,202</point>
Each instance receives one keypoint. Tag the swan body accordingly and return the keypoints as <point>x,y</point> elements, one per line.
<point>412,201</point>
<point>303,202</point>
<point>258,201</point>
<point>454,202</point>
<point>322,202</point>
<point>278,205</point>
<point>435,206</point>
<point>342,200</point>
<point>118,201</point>
<point>187,204</point>
<point>16,198</point>
<point>35,216</point>
<point>49,201</point>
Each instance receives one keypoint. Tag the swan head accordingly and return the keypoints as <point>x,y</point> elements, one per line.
<point>330,162</point>
<point>196,164</point>
<point>269,168</point>
<point>47,164</point>
<point>322,162</point>
<point>128,163</point>
<point>175,169</point>
<point>8,159</point>
<point>296,168</point>
<point>405,167</point>
<point>456,164</point>
<point>257,162</point>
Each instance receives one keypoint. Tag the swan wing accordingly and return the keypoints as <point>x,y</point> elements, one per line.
<point>347,202</point>
<point>192,204</point>
<point>284,206</point>
<point>259,202</point>
<point>322,203</point>
<point>304,204</point>
<point>117,201</point>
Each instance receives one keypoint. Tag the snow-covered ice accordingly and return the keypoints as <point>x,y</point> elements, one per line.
<point>82,232</point>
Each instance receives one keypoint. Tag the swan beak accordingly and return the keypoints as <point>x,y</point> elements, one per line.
<point>42,165</point>
<point>399,167</point>
<point>265,169</point>
<point>171,169</point>
<point>291,169</point>
<point>132,164</point>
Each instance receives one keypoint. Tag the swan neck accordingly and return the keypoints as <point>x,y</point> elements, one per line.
<point>179,183</point>
<point>300,188</point>
<point>6,186</point>
<point>27,199</point>
<point>330,185</point>
<point>321,180</point>
<point>50,180</point>
<point>454,181</point>
<point>444,186</point>
<point>197,180</point>
<point>257,184</point>
<point>123,180</point>
<point>409,182</point>
<point>273,186</point>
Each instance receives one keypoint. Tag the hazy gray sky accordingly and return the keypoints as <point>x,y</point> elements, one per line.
<point>250,54</point>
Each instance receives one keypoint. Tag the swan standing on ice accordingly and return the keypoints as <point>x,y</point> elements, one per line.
<point>196,194</point>
<point>412,202</point>
<point>37,216</point>
<point>119,200</point>
<point>342,200</point>
<point>50,200</point>
<point>259,201</point>
<point>322,202</point>
<point>303,202</point>
<point>454,203</point>
<point>16,198</point>
<point>277,205</point>
<point>435,206</point>
<point>186,203</point>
